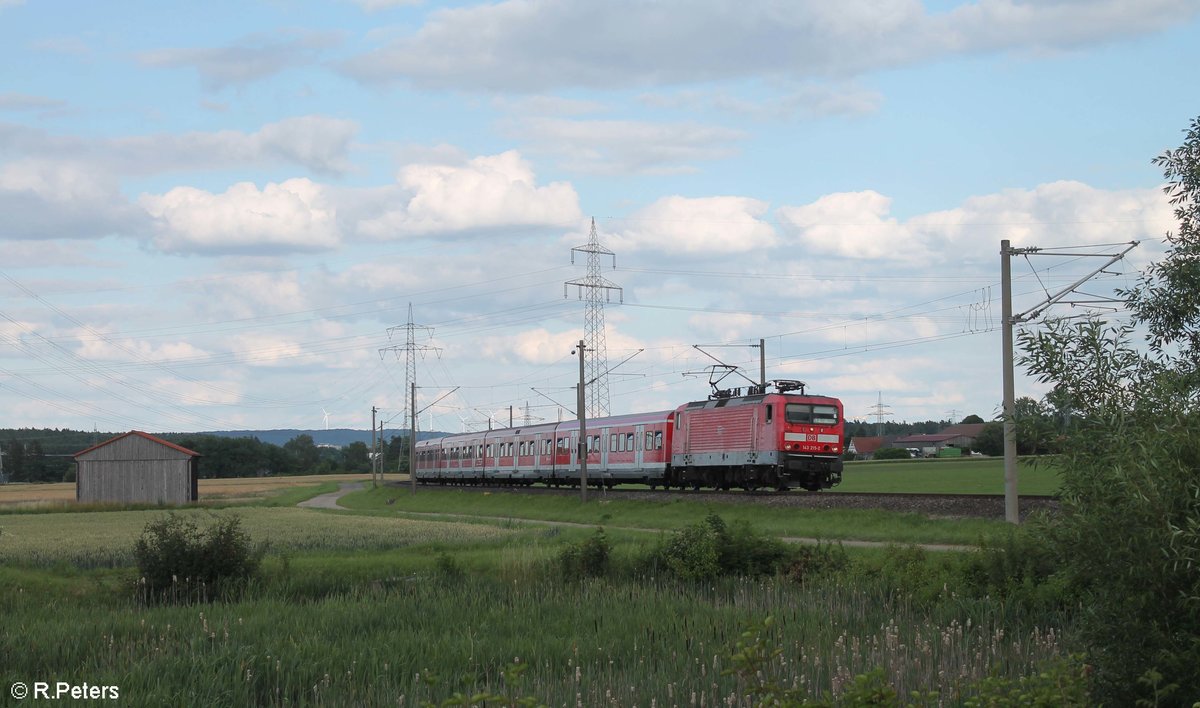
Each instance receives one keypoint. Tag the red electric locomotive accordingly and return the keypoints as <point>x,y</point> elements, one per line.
<point>775,440</point>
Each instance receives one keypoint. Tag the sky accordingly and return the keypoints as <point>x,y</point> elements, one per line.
<point>217,216</point>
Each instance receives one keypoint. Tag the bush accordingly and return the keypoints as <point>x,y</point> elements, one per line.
<point>892,453</point>
<point>587,558</point>
<point>820,560</point>
<point>709,549</point>
<point>178,560</point>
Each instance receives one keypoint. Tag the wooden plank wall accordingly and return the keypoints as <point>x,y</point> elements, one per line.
<point>134,481</point>
<point>134,470</point>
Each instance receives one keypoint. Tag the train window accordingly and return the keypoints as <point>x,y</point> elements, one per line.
<point>807,413</point>
<point>595,443</point>
<point>629,441</point>
<point>658,440</point>
<point>770,409</point>
<point>649,439</point>
<point>612,443</point>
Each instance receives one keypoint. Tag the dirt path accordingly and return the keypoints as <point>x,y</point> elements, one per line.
<point>329,501</point>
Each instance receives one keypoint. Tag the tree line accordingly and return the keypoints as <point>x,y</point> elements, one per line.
<point>47,455</point>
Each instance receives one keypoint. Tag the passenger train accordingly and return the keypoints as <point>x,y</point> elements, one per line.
<point>776,440</point>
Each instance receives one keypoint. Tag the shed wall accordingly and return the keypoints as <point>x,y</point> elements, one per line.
<point>135,470</point>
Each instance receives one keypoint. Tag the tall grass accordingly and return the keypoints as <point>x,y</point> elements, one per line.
<point>594,643</point>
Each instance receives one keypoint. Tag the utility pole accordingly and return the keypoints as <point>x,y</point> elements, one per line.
<point>1011,506</point>
<point>374,446</point>
<point>583,443</point>
<point>762,364</point>
<point>1012,513</point>
<point>595,285</point>
<point>412,440</point>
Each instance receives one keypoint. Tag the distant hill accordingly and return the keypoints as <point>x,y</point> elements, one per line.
<point>338,437</point>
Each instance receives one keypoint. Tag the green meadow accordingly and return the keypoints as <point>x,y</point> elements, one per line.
<point>431,598</point>
<point>966,475</point>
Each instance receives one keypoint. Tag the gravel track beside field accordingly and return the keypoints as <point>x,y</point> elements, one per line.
<point>329,500</point>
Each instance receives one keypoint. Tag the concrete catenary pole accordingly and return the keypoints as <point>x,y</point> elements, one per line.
<point>412,438</point>
<point>583,443</point>
<point>1011,510</point>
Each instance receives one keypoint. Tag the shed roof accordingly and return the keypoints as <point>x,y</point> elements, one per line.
<point>966,430</point>
<point>866,445</point>
<point>924,439</point>
<point>148,436</point>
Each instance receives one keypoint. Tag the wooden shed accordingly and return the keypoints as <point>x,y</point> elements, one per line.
<point>137,468</point>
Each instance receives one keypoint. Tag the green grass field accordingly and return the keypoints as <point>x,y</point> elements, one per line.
<point>611,511</point>
<point>970,475</point>
<point>379,605</point>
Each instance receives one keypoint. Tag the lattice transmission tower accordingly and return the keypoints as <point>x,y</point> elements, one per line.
<point>411,350</point>
<point>598,290</point>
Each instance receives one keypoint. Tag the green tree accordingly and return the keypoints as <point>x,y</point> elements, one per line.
<point>356,457</point>
<point>14,462</point>
<point>303,454</point>
<point>892,453</point>
<point>972,419</point>
<point>1035,427</point>
<point>1128,540</point>
<point>990,440</point>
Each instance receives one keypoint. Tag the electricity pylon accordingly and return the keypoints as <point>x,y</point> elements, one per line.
<point>599,290</point>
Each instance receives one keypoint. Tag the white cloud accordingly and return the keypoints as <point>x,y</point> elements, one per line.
<point>859,225</point>
<point>786,102</point>
<point>94,348</point>
<point>852,225</point>
<point>488,192</point>
<point>44,200</point>
<point>535,45</point>
<point>318,143</point>
<point>203,392</point>
<point>250,59</point>
<point>708,225</point>
<point>293,215</point>
<point>625,147</point>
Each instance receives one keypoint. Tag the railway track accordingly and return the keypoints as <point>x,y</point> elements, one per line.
<point>941,505</point>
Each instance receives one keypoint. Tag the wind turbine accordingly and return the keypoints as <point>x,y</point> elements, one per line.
<point>326,418</point>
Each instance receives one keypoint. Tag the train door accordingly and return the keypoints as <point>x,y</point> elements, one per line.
<point>605,436</point>
<point>639,434</point>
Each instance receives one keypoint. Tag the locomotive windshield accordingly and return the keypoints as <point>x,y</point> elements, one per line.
<point>809,413</point>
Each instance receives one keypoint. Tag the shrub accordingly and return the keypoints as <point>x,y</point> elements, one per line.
<point>588,558</point>
<point>710,548</point>
<point>892,453</point>
<point>178,560</point>
<point>810,562</point>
